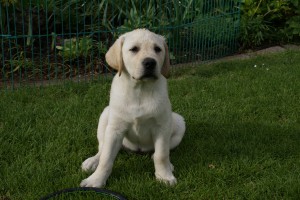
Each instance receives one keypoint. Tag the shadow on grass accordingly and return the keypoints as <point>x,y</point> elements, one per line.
<point>211,145</point>
<point>216,143</point>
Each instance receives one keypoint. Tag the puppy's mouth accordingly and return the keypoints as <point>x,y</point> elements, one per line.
<point>146,77</point>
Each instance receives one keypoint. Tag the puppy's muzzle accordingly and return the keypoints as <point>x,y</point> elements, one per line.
<point>149,65</point>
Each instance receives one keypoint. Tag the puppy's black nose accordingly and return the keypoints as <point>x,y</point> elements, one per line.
<point>149,64</point>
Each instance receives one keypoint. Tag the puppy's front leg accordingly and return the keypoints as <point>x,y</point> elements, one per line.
<point>112,143</point>
<point>163,166</point>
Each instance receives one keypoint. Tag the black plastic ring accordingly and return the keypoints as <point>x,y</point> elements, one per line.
<point>97,190</point>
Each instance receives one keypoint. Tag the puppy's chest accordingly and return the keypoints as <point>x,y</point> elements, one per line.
<point>142,126</point>
<point>145,118</point>
<point>142,111</point>
<point>144,105</point>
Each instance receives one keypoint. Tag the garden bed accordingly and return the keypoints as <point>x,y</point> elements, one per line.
<point>55,40</point>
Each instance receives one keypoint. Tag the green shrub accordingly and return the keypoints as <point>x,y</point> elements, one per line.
<point>293,23</point>
<point>266,22</point>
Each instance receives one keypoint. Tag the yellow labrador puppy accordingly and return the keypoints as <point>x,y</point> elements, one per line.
<point>139,114</point>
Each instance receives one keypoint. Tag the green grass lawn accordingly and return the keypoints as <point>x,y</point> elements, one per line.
<point>242,139</point>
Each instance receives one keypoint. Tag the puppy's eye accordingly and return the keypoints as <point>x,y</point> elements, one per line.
<point>157,49</point>
<point>134,49</point>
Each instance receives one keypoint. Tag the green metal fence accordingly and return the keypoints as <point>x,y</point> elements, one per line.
<point>42,41</point>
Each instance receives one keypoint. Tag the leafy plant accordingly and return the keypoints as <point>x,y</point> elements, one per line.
<point>18,64</point>
<point>146,16</point>
<point>293,24</point>
<point>268,22</point>
<point>75,47</point>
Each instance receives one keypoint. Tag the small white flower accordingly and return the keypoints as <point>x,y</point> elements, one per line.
<point>255,65</point>
<point>268,69</point>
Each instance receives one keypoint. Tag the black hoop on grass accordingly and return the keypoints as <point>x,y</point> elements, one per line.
<point>84,189</point>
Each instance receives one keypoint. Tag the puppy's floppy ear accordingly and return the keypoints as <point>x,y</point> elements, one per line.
<point>165,70</point>
<point>114,56</point>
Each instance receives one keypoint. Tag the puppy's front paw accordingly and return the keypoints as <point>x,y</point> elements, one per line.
<point>90,164</point>
<point>169,180</point>
<point>92,182</point>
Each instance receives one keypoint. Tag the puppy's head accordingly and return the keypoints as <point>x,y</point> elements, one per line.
<point>140,53</point>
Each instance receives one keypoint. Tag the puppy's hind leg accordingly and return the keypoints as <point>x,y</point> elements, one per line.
<point>178,130</point>
<point>90,164</point>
